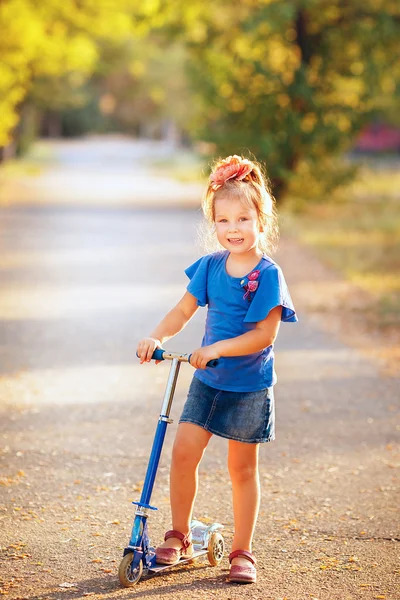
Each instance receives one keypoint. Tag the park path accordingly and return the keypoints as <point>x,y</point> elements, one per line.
<point>81,282</point>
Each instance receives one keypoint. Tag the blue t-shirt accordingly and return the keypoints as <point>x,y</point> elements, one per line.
<point>232,311</point>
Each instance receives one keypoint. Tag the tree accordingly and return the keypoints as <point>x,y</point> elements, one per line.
<point>74,66</point>
<point>291,81</point>
<point>49,41</point>
<point>146,84</point>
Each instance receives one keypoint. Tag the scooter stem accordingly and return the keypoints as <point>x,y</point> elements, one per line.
<point>160,434</point>
<point>170,388</point>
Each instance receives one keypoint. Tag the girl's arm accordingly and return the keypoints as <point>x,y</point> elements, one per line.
<point>259,338</point>
<point>172,323</point>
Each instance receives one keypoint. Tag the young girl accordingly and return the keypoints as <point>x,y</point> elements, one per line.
<point>247,298</point>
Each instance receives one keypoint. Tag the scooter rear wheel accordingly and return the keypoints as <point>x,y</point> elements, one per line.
<point>216,549</point>
<point>127,576</point>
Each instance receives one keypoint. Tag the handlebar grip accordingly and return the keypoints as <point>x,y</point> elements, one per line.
<point>211,363</point>
<point>158,354</point>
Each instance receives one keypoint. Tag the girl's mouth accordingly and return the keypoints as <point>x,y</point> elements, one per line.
<point>235,241</point>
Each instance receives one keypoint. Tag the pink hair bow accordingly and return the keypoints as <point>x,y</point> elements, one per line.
<point>233,167</point>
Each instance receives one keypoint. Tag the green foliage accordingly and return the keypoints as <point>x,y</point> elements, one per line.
<point>288,81</point>
<point>91,65</point>
<point>147,84</point>
<point>292,81</point>
<point>50,41</point>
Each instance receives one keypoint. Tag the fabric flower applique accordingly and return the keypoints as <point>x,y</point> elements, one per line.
<point>233,167</point>
<point>250,284</point>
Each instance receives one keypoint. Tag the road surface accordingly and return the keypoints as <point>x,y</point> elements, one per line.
<point>81,282</point>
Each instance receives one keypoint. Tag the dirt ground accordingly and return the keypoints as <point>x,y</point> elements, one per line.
<point>80,285</point>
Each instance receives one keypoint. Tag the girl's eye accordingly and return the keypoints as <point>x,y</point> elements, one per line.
<point>243,219</point>
<point>221,221</point>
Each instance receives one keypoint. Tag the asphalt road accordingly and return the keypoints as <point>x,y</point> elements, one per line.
<point>80,284</point>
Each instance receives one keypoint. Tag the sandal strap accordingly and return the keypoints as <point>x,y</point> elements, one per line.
<point>185,539</point>
<point>245,554</point>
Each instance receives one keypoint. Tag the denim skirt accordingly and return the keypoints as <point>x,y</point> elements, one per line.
<point>242,416</point>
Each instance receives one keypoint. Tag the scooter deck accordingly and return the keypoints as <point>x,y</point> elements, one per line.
<point>196,554</point>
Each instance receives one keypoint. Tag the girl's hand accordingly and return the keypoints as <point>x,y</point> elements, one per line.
<point>200,357</point>
<point>146,347</point>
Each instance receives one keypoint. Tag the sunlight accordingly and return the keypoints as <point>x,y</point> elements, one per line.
<point>323,365</point>
<point>131,382</point>
<point>81,384</point>
<point>55,258</point>
<point>24,302</point>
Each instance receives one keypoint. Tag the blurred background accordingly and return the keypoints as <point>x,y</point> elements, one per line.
<point>111,112</point>
<point>309,87</point>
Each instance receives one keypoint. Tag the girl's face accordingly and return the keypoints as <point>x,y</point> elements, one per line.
<point>237,225</point>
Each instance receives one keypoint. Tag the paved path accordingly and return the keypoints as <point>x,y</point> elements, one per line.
<point>79,286</point>
<point>101,171</point>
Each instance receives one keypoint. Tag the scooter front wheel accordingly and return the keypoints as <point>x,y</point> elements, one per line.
<point>215,549</point>
<point>128,576</point>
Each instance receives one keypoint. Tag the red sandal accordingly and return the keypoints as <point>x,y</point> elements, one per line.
<point>170,556</point>
<point>239,574</point>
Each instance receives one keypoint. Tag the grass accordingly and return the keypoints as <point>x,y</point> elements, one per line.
<point>359,236</point>
<point>31,165</point>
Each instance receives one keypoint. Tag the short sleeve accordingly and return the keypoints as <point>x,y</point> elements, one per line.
<point>272,291</point>
<point>197,286</point>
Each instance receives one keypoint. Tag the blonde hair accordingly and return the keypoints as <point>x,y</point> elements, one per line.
<point>238,178</point>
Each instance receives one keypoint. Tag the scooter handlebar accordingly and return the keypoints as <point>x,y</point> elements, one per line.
<point>161,354</point>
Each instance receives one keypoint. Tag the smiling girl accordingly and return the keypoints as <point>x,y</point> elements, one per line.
<point>247,298</point>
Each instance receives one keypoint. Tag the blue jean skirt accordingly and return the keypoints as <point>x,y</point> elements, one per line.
<point>242,416</point>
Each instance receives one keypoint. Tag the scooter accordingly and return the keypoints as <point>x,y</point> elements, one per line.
<point>139,558</point>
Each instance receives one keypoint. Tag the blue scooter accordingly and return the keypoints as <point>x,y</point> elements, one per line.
<point>139,558</point>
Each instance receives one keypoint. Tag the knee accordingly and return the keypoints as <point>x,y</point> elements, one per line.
<point>185,453</point>
<point>240,471</point>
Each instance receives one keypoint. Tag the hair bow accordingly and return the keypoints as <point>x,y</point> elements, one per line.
<point>233,167</point>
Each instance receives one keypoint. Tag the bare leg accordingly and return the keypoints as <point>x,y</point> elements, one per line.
<point>243,470</point>
<point>190,443</point>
